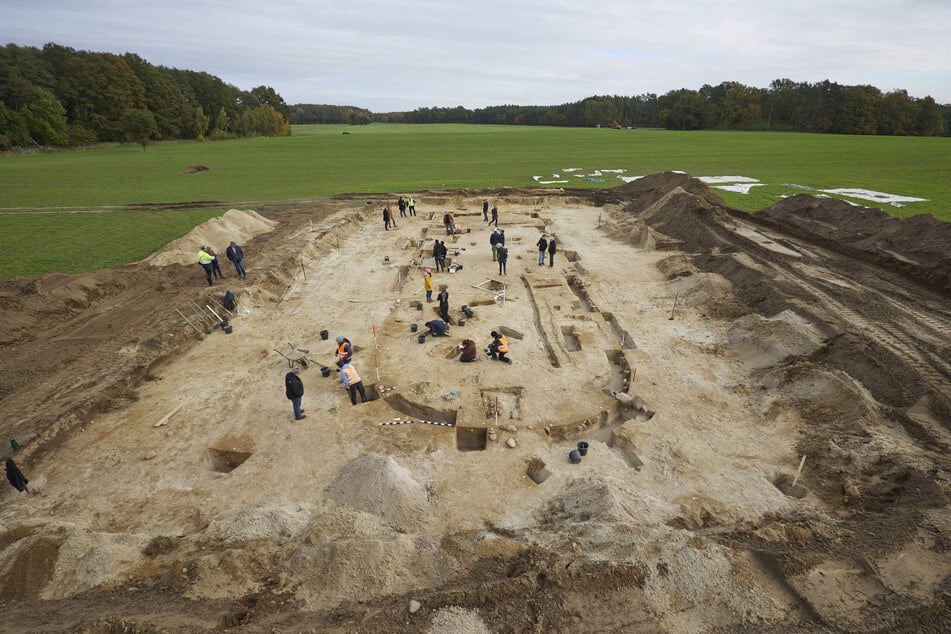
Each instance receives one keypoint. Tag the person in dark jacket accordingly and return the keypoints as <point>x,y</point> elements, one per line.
<point>443,299</point>
<point>401,203</point>
<point>503,259</point>
<point>485,210</point>
<point>438,328</point>
<point>15,477</point>
<point>494,241</point>
<point>236,255</point>
<point>215,265</point>
<point>552,247</point>
<point>495,216</point>
<point>469,351</point>
<point>387,219</point>
<point>294,388</point>
<point>542,245</point>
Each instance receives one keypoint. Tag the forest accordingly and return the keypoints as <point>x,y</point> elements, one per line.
<point>58,96</point>
<point>823,107</point>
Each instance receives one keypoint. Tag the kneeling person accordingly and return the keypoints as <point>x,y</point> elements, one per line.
<point>499,347</point>
<point>438,328</point>
<point>468,347</point>
<point>352,381</point>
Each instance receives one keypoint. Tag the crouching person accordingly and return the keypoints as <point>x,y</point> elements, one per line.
<point>499,347</point>
<point>438,328</point>
<point>468,347</point>
<point>352,381</point>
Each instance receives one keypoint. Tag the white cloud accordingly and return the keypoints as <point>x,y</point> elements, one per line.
<point>403,54</point>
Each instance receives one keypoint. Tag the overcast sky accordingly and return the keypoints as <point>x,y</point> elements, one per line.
<point>388,55</point>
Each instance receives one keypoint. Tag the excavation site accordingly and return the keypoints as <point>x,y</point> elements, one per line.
<point>709,421</point>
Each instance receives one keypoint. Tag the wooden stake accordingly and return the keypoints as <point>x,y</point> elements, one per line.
<point>799,471</point>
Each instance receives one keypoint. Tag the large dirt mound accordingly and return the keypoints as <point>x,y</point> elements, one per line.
<point>917,246</point>
<point>240,226</point>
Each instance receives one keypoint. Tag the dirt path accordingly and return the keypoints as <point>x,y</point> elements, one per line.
<point>167,464</point>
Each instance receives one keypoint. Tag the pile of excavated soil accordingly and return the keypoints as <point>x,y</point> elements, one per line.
<point>240,226</point>
<point>381,486</point>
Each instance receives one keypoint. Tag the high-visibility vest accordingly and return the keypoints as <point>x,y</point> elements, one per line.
<point>503,344</point>
<point>204,257</point>
<point>342,349</point>
<point>352,376</point>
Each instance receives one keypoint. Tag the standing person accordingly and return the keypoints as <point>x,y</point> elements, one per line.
<point>344,350</point>
<point>236,255</point>
<point>551,251</point>
<point>294,389</point>
<point>542,246</point>
<point>485,210</point>
<point>494,241</point>
<point>503,259</point>
<point>443,299</point>
<point>353,383</point>
<point>215,265</point>
<point>499,347</point>
<point>412,206</point>
<point>428,284</point>
<point>439,254</point>
<point>447,223</point>
<point>206,260</point>
<point>402,205</point>
<point>468,348</point>
<point>495,216</point>
<point>386,218</point>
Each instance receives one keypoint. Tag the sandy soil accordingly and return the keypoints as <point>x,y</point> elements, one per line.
<point>172,489</point>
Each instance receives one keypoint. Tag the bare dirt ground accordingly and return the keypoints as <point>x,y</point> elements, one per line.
<point>173,491</point>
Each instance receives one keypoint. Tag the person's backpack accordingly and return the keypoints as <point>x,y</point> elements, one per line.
<point>230,302</point>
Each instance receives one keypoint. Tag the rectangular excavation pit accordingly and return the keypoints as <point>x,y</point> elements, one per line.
<point>571,256</point>
<point>572,338</point>
<point>491,285</point>
<point>577,429</point>
<point>419,412</point>
<point>481,302</point>
<point>576,284</point>
<point>471,438</point>
<point>225,460</point>
<point>546,283</point>
<point>509,402</point>
<point>620,370</point>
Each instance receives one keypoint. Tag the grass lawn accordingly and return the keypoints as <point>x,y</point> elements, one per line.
<point>389,158</point>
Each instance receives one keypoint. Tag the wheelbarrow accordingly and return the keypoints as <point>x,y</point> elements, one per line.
<point>296,356</point>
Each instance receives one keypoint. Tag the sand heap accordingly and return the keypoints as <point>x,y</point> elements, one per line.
<point>218,233</point>
<point>379,485</point>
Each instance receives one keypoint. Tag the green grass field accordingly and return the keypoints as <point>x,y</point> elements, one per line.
<point>320,161</point>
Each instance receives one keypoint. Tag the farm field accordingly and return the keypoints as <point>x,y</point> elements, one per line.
<point>380,159</point>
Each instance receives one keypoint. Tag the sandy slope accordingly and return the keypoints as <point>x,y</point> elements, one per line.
<point>741,347</point>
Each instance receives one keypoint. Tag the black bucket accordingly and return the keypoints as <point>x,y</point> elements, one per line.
<point>583,448</point>
<point>419,305</point>
<point>325,334</point>
<point>461,322</point>
<point>413,327</point>
<point>228,329</point>
<point>224,324</point>
<point>421,338</point>
<point>574,456</point>
<point>464,307</point>
<point>325,371</point>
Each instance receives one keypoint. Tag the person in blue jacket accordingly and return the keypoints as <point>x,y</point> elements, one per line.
<point>438,328</point>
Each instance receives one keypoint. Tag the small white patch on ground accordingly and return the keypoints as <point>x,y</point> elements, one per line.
<point>879,197</point>
<point>740,188</point>
<point>710,180</point>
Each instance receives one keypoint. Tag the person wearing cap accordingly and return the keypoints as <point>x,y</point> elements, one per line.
<point>206,260</point>
<point>428,284</point>
<point>344,350</point>
<point>499,347</point>
<point>352,382</point>
<point>294,389</point>
<point>236,255</point>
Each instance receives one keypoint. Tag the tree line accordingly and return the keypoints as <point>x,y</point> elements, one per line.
<point>823,107</point>
<point>60,96</point>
